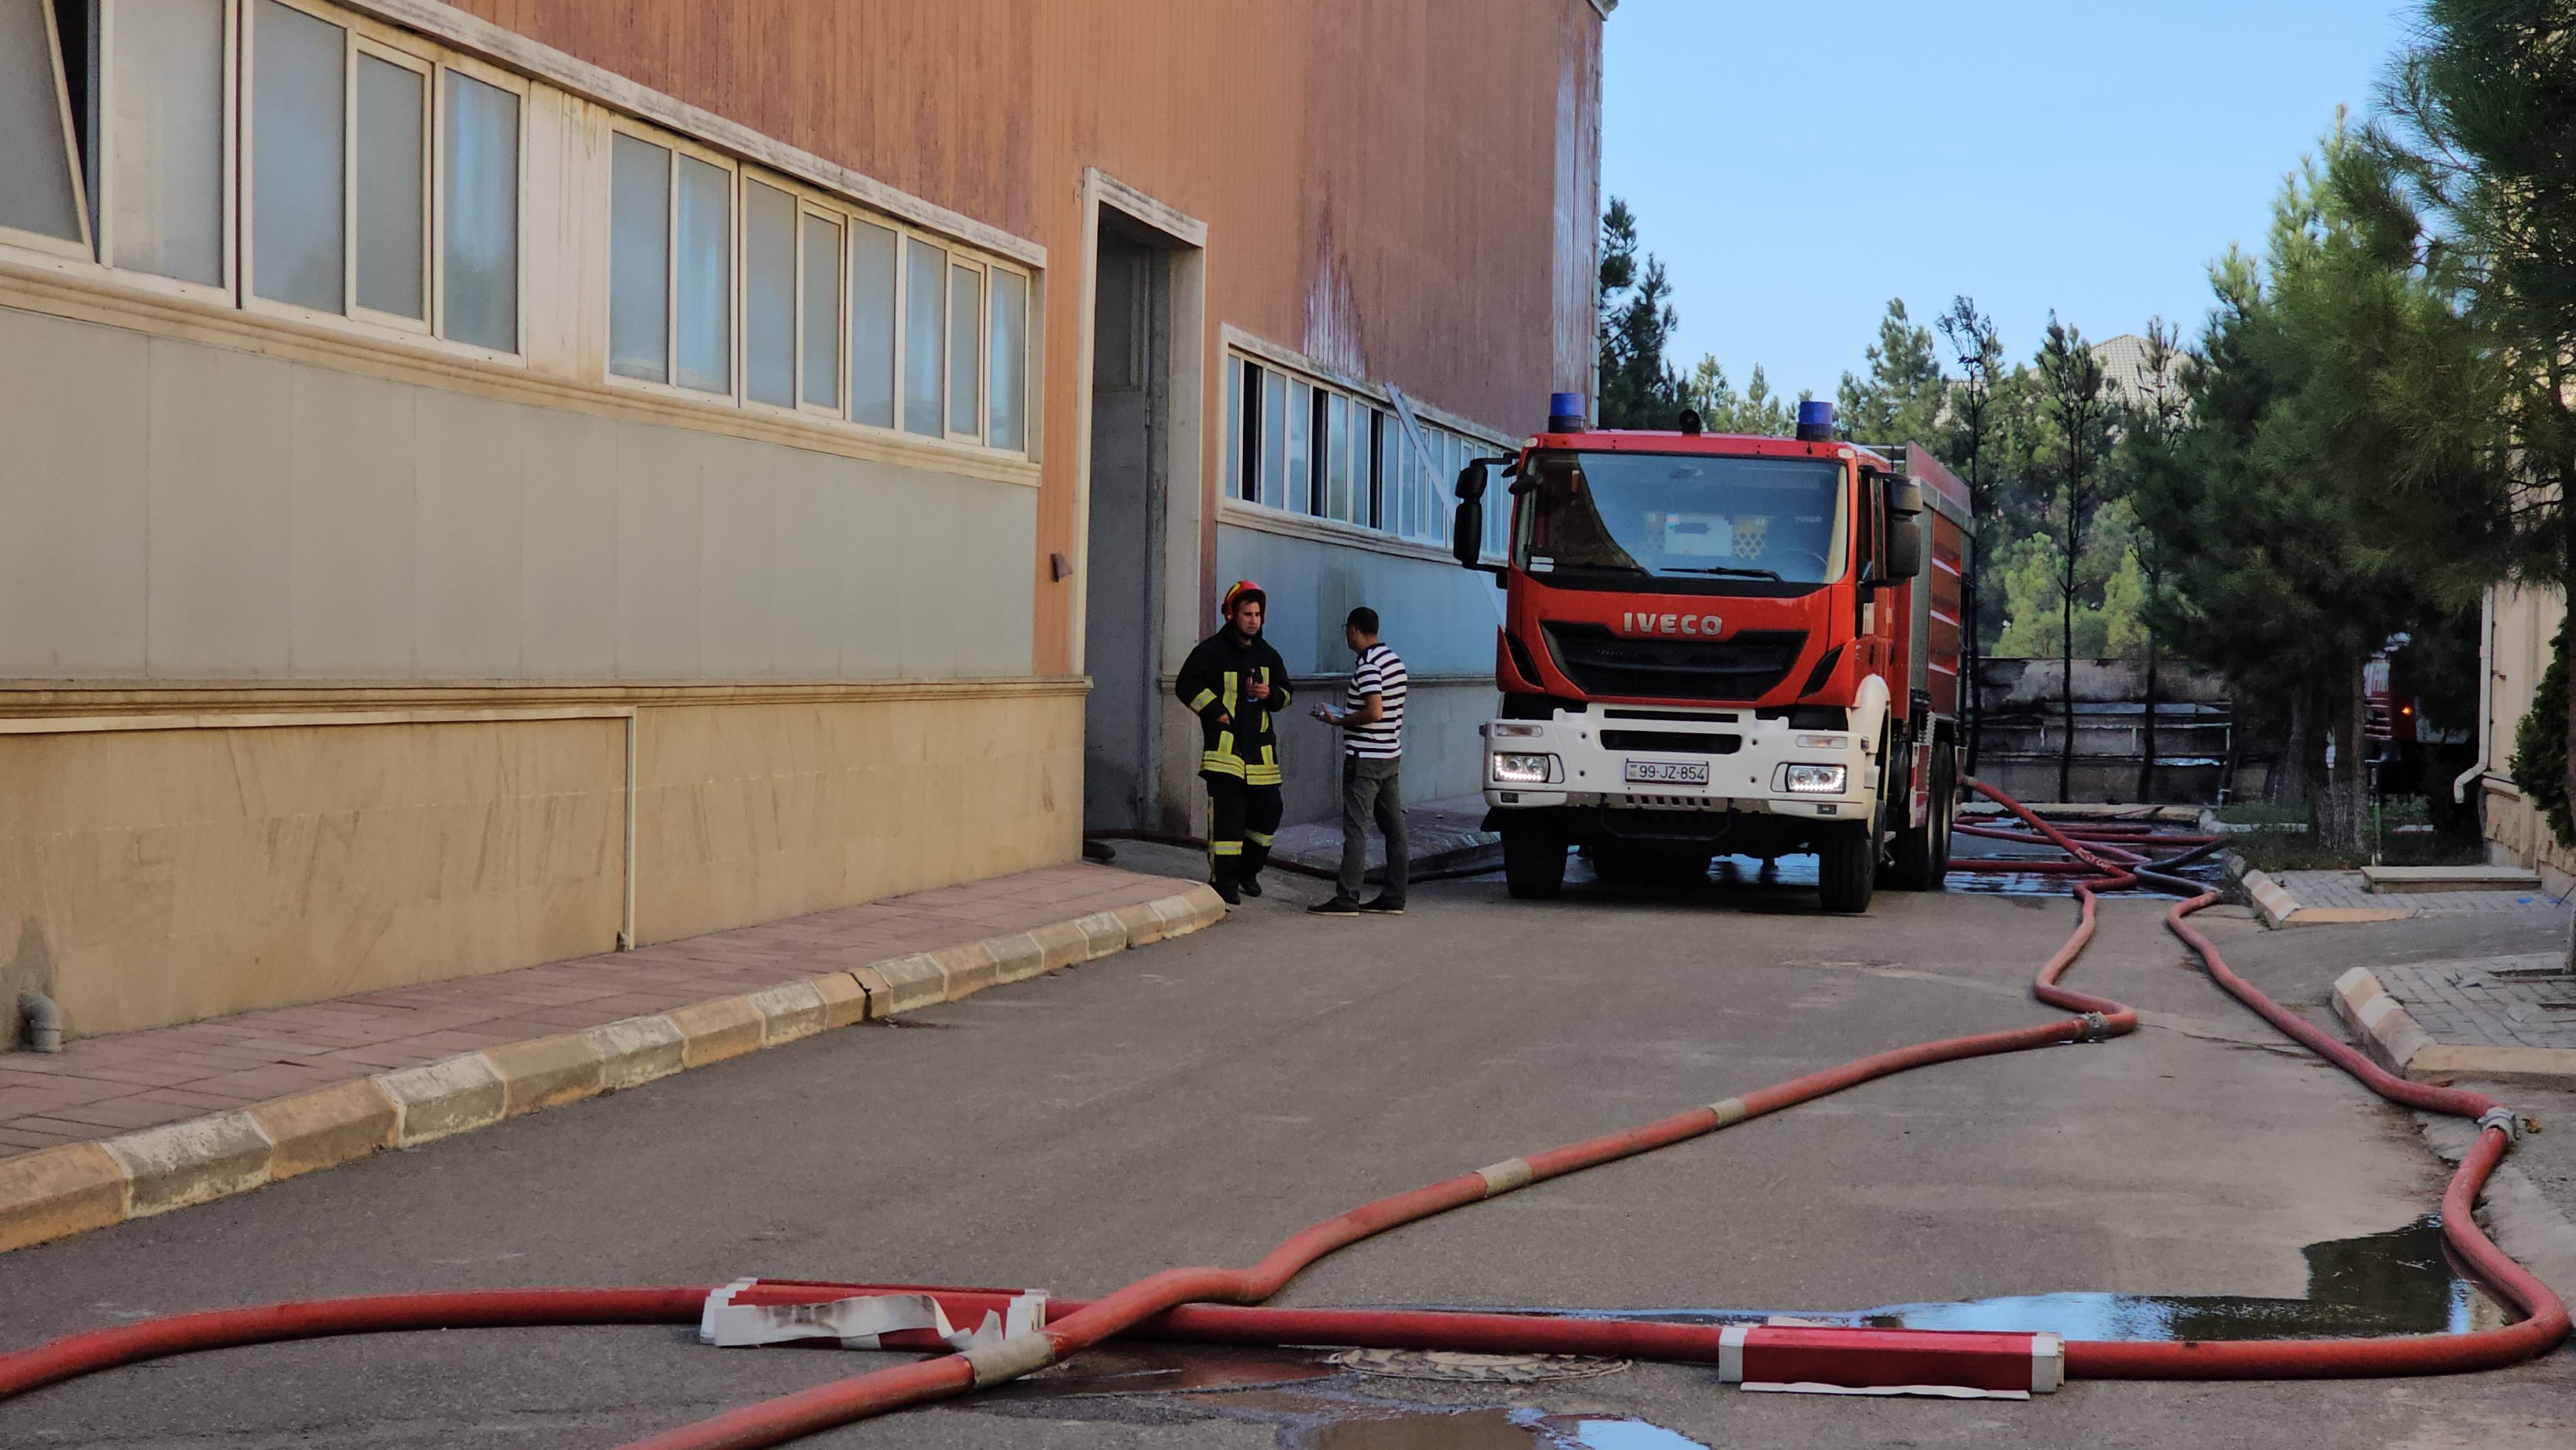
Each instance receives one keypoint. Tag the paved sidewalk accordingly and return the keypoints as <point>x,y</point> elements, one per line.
<point>2345,889</point>
<point>2515,1001</point>
<point>1443,832</point>
<point>100,1086</point>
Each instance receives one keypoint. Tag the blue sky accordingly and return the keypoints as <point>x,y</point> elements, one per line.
<point>1797,165</point>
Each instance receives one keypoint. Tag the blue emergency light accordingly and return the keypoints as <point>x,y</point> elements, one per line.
<point>1815,421</point>
<point>1565,413</point>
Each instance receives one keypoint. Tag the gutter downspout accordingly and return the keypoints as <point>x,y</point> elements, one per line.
<point>2486,695</point>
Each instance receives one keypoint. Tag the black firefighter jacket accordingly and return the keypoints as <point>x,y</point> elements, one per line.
<point>1213,684</point>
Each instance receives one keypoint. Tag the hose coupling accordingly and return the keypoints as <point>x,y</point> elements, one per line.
<point>2505,1118</point>
<point>2097,1028</point>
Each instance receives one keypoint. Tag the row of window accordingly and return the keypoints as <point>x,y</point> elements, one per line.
<point>841,314</point>
<point>1307,447</point>
<point>378,179</point>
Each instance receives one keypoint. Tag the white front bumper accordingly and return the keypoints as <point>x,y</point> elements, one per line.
<point>1747,761</point>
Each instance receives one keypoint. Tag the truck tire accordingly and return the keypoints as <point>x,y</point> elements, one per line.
<point>1533,861</point>
<point>1847,868</point>
<point>1922,855</point>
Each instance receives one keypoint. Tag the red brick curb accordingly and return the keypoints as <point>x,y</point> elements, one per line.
<point>70,1189</point>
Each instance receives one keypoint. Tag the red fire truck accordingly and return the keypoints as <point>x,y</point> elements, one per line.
<point>1717,643</point>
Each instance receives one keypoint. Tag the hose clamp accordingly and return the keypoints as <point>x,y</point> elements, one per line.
<point>2505,1118</point>
<point>2097,1028</point>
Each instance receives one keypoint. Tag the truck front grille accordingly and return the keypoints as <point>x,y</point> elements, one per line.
<point>1605,664</point>
<point>1677,742</point>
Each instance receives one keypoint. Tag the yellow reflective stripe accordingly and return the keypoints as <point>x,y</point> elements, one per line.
<point>1261,775</point>
<point>1223,765</point>
<point>1256,838</point>
<point>1225,848</point>
<point>1200,700</point>
<point>1230,686</point>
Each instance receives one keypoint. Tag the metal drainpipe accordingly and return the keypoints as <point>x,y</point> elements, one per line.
<point>44,1022</point>
<point>2486,695</point>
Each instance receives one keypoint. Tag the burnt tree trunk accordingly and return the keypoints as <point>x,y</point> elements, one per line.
<point>2066,693</point>
<point>2342,802</point>
<point>2147,756</point>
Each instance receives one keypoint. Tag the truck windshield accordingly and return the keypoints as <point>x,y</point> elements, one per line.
<point>1763,521</point>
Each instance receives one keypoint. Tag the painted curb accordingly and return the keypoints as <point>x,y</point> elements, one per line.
<point>2403,1047</point>
<point>2281,909</point>
<point>56,1192</point>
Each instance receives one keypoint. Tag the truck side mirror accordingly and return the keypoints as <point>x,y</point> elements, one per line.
<point>1467,530</point>
<point>1903,558</point>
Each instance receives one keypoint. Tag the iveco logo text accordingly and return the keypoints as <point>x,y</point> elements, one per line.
<point>1634,623</point>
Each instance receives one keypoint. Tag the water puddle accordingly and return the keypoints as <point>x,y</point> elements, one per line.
<point>2398,1282</point>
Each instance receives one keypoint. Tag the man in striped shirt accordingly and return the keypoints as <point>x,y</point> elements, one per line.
<point>1372,724</point>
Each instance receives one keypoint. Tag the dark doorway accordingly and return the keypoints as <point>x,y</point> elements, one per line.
<point>1123,584</point>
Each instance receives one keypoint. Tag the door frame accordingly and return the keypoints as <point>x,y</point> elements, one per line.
<point>1187,545</point>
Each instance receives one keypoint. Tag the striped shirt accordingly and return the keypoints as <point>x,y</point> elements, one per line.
<point>1377,672</point>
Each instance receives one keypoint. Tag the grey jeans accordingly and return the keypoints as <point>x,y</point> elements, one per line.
<point>1370,790</point>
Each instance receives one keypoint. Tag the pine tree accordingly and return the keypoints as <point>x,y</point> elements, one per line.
<point>1639,389</point>
<point>2071,390</point>
<point>1903,395</point>
<point>1978,352</point>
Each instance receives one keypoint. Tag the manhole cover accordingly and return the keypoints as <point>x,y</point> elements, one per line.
<point>1441,1364</point>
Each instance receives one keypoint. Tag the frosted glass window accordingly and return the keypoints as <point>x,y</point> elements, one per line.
<point>1235,419</point>
<point>965,347</point>
<point>393,204</point>
<point>1337,457</point>
<point>639,260</point>
<point>165,183</point>
<point>1006,421</point>
<point>822,312</point>
<point>704,309</point>
<point>37,190</point>
<point>1299,474</point>
<point>1374,473</point>
<point>298,158</point>
<point>1274,439</point>
<point>768,294</point>
<point>482,214</point>
<point>872,324</point>
<point>925,331</point>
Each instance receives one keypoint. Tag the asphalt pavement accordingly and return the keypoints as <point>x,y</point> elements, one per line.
<point>1195,1101</point>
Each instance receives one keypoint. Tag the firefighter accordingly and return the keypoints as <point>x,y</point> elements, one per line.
<point>1235,683</point>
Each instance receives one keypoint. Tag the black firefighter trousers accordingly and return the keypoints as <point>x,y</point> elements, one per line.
<point>1241,821</point>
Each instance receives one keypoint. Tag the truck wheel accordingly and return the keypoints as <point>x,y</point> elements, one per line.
<point>1533,861</point>
<point>1847,868</point>
<point>1923,852</point>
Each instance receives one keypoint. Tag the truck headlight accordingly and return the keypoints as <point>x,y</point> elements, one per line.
<point>1523,769</point>
<point>1817,779</point>
<point>1514,730</point>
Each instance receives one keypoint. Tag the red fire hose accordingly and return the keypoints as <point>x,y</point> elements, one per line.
<point>1175,1303</point>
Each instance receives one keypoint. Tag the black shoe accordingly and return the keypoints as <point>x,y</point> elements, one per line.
<point>1226,893</point>
<point>1382,906</point>
<point>1250,886</point>
<point>1340,905</point>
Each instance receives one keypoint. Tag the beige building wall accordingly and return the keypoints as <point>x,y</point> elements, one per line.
<point>2520,624</point>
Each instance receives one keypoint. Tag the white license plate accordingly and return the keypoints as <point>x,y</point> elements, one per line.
<point>1668,772</point>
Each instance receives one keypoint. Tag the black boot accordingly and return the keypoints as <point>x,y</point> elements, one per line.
<point>1223,875</point>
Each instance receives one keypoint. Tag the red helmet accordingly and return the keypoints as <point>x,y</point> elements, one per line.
<point>1243,589</point>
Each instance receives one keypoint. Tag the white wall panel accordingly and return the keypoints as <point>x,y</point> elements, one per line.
<point>351,525</point>
<point>73,470</point>
<point>271,519</point>
<point>219,596</point>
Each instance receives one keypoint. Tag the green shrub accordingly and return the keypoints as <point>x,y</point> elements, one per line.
<point>2540,745</point>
